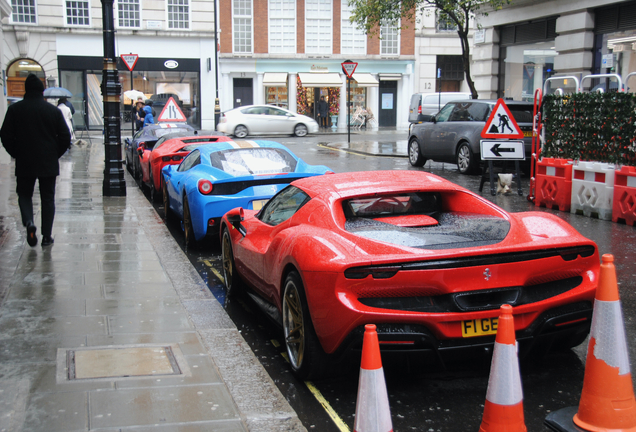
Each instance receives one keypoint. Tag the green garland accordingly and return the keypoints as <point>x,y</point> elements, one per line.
<point>334,100</point>
<point>302,107</point>
<point>591,127</point>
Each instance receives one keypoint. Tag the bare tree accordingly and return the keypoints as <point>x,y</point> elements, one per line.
<point>369,15</point>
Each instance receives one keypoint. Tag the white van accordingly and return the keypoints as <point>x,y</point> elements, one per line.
<point>430,103</point>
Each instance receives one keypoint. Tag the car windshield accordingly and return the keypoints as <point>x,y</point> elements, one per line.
<point>253,161</point>
<point>159,132</point>
<point>521,113</point>
<point>421,220</point>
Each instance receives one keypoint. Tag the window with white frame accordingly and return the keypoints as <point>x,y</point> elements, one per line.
<point>78,12</point>
<point>23,12</point>
<point>444,23</point>
<point>242,26</point>
<point>178,14</point>
<point>282,26</point>
<point>352,39</point>
<point>389,39</point>
<point>128,13</point>
<point>318,29</point>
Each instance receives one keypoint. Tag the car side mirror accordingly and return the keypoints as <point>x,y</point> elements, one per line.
<point>235,217</point>
<point>425,118</point>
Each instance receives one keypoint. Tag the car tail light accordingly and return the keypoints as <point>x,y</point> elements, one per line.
<point>211,222</point>
<point>419,109</point>
<point>205,186</point>
<point>384,272</point>
<point>175,158</point>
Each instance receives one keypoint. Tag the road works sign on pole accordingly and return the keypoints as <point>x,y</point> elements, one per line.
<point>349,68</point>
<point>501,124</point>
<point>130,60</point>
<point>171,112</point>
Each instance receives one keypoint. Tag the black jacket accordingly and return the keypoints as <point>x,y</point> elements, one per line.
<point>35,133</point>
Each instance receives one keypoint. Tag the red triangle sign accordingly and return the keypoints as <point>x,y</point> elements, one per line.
<point>171,112</point>
<point>501,124</point>
<point>130,60</point>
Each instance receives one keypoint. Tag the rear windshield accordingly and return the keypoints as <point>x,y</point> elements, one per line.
<point>521,113</point>
<point>420,220</point>
<point>159,132</point>
<point>252,161</point>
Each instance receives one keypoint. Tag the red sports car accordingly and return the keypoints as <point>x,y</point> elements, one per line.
<point>169,152</point>
<point>427,261</point>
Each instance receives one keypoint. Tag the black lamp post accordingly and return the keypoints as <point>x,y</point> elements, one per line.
<point>114,183</point>
<point>217,105</point>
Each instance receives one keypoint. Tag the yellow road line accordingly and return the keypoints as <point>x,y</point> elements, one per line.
<point>213,270</point>
<point>330,411</point>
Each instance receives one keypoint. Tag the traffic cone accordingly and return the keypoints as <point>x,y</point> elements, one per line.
<point>372,406</point>
<point>503,410</point>
<point>607,401</point>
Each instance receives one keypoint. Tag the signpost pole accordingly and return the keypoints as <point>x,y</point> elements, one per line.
<point>348,110</point>
<point>132,107</point>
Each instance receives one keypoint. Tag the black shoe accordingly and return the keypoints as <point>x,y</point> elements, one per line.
<point>32,239</point>
<point>47,240</point>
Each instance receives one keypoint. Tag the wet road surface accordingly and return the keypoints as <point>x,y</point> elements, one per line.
<point>422,397</point>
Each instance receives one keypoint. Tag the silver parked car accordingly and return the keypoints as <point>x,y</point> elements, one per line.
<point>265,120</point>
<point>454,134</point>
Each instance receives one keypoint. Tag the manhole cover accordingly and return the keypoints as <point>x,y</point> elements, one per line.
<point>121,362</point>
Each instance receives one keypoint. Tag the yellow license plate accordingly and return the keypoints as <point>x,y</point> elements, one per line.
<point>479,327</point>
<point>258,204</point>
<point>527,133</point>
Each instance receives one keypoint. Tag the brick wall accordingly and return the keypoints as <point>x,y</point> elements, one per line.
<point>373,41</point>
<point>225,26</point>
<point>261,28</point>
<point>300,27</point>
<point>407,37</point>
<point>337,18</point>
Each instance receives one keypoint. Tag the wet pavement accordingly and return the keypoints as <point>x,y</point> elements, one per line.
<point>116,287</point>
<point>111,328</point>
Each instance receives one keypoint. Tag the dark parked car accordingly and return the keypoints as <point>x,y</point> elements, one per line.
<point>148,136</point>
<point>454,133</point>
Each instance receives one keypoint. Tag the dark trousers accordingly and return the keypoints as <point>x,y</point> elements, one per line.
<point>25,188</point>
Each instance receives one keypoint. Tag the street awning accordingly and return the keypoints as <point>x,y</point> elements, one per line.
<point>275,79</point>
<point>365,80</point>
<point>320,79</point>
<point>390,76</point>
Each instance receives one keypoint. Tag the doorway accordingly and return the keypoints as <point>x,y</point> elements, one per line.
<point>243,92</point>
<point>388,101</point>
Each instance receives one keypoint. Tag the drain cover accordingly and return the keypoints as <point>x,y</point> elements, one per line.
<point>121,362</point>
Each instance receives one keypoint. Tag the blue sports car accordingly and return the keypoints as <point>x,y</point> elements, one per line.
<point>216,178</point>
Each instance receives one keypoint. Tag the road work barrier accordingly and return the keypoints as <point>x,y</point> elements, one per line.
<point>607,401</point>
<point>593,189</point>
<point>503,410</point>
<point>372,406</point>
<point>625,196</point>
<point>554,184</point>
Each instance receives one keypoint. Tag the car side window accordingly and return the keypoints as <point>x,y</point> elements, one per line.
<point>461,112</point>
<point>283,205</point>
<point>445,113</point>
<point>193,159</point>
<point>478,111</point>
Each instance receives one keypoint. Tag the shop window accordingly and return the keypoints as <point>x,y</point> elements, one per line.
<point>242,26</point>
<point>282,26</point>
<point>78,13</point>
<point>358,97</point>
<point>389,39</point>
<point>318,31</point>
<point>526,69</point>
<point>178,14</point>
<point>17,73</point>
<point>352,39</point>
<point>128,14</point>
<point>277,96</point>
<point>23,12</point>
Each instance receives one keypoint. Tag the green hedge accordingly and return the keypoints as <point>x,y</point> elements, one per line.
<point>591,127</point>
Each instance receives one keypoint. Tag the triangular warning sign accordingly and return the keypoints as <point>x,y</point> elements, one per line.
<point>171,112</point>
<point>501,124</point>
<point>130,60</point>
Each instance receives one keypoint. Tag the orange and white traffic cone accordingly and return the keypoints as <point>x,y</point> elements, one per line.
<point>372,406</point>
<point>607,401</point>
<point>503,410</point>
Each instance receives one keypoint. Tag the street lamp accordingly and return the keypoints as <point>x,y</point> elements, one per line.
<point>114,183</point>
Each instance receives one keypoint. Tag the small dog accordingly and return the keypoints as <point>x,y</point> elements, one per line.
<point>504,183</point>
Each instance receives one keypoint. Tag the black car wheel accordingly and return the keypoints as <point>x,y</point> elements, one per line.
<point>230,277</point>
<point>300,130</point>
<point>188,230</point>
<point>154,193</point>
<point>169,215</point>
<point>466,160</point>
<point>415,156</point>
<point>240,131</point>
<point>306,356</point>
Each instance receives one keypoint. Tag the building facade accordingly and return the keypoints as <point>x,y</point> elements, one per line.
<point>527,42</point>
<point>62,42</point>
<point>289,53</point>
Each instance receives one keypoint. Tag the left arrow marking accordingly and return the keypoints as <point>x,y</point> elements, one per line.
<point>497,151</point>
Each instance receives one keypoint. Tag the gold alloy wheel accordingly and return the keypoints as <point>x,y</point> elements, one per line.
<point>228,264</point>
<point>293,325</point>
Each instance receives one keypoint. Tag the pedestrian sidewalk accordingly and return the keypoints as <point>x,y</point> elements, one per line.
<point>111,328</point>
